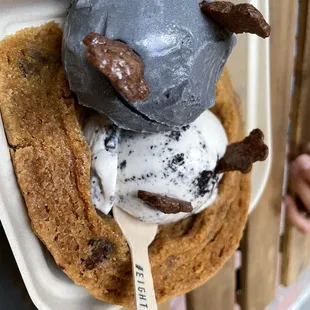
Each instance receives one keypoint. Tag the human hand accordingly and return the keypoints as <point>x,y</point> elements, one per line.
<point>298,210</point>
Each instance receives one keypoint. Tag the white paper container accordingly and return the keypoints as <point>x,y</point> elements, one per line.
<point>48,287</point>
<point>249,66</point>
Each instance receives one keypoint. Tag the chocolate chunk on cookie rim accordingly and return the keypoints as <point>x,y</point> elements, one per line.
<point>240,156</point>
<point>237,18</point>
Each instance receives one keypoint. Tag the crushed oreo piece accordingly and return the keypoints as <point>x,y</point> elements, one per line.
<point>176,162</point>
<point>112,199</point>
<point>102,249</point>
<point>123,164</point>
<point>203,182</point>
<point>120,64</point>
<point>240,156</point>
<point>175,135</point>
<point>111,140</point>
<point>165,204</point>
<point>237,18</point>
<point>184,128</point>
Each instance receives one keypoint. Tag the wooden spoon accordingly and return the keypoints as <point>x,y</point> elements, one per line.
<point>139,236</point>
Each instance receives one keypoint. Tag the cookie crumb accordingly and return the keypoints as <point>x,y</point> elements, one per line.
<point>175,135</point>
<point>176,162</point>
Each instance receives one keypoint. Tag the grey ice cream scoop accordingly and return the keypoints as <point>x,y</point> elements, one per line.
<point>183,53</point>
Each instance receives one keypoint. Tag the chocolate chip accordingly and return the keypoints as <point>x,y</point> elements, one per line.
<point>240,156</point>
<point>91,242</point>
<point>165,204</point>
<point>61,267</point>
<point>102,249</point>
<point>120,64</point>
<point>237,18</point>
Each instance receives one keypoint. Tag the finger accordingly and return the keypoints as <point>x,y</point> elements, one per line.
<point>302,190</point>
<point>300,168</point>
<point>301,207</point>
<point>295,217</point>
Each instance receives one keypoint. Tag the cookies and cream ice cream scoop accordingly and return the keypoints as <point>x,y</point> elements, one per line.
<point>177,164</point>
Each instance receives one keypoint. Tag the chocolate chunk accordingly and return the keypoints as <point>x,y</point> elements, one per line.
<point>165,204</point>
<point>102,249</point>
<point>237,18</point>
<point>240,156</point>
<point>120,64</point>
<point>184,128</point>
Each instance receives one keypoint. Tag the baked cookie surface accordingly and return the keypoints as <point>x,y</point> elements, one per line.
<point>52,165</point>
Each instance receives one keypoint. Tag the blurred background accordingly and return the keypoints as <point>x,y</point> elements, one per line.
<point>13,294</point>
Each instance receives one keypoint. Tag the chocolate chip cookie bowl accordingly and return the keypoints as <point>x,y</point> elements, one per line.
<point>53,144</point>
